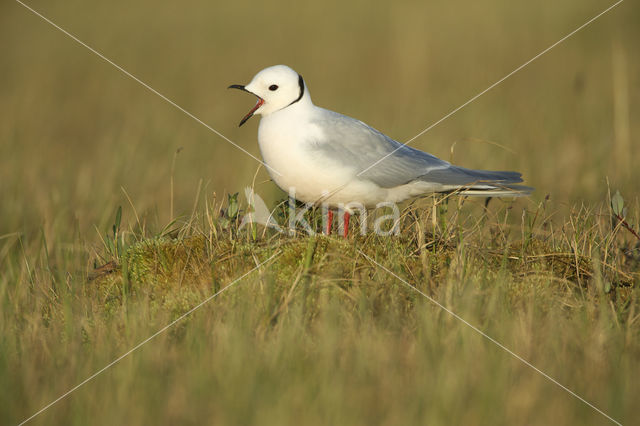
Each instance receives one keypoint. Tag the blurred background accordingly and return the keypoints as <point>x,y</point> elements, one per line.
<point>75,131</point>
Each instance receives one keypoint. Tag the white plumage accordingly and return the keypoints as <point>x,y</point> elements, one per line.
<point>327,156</point>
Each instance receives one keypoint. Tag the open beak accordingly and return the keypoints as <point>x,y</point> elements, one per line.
<point>254,109</point>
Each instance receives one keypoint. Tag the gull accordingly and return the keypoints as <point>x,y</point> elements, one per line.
<point>322,156</point>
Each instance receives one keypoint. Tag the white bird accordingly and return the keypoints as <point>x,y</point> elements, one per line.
<point>326,157</point>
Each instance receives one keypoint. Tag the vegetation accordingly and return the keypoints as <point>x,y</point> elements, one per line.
<point>111,227</point>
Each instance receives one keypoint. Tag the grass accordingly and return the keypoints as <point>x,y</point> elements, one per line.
<point>323,334</point>
<point>115,219</point>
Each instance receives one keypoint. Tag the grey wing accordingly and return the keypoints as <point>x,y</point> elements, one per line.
<point>357,145</point>
<point>354,144</point>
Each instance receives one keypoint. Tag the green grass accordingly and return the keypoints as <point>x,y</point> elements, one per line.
<point>319,334</point>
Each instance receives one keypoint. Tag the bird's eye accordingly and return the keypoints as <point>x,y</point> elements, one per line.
<point>273,87</point>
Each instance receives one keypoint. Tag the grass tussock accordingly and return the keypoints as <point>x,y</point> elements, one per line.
<point>321,334</point>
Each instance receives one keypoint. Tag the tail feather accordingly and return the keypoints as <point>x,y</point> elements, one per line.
<point>501,176</point>
<point>484,183</point>
<point>496,191</point>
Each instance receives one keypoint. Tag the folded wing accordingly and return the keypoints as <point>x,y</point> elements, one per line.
<point>355,144</point>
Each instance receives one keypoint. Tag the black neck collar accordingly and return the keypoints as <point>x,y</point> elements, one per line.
<point>301,85</point>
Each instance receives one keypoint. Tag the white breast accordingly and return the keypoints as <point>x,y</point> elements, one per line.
<point>286,139</point>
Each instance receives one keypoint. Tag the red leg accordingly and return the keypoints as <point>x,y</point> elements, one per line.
<point>329,222</point>
<point>347,216</point>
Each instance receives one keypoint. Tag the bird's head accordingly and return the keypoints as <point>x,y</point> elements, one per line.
<point>276,88</point>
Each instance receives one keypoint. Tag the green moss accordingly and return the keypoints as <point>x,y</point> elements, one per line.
<point>174,274</point>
